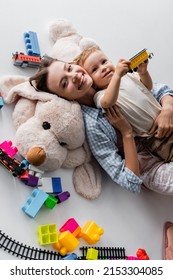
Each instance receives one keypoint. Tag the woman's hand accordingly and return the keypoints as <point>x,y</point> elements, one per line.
<point>118,121</point>
<point>163,124</point>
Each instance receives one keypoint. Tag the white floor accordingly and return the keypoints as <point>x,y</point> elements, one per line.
<point>130,221</point>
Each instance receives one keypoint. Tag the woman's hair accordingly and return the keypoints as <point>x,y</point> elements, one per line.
<point>40,78</point>
<point>80,59</point>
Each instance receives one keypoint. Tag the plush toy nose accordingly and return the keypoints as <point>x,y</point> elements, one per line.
<point>36,156</point>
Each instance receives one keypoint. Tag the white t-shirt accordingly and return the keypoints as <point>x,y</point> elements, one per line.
<point>137,103</point>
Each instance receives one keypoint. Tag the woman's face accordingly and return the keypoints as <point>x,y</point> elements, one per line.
<point>69,81</point>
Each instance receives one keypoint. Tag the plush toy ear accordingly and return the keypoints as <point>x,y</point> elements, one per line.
<point>61,28</point>
<point>7,83</point>
<point>14,87</point>
<point>86,43</point>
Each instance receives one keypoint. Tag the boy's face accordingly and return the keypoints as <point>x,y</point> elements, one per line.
<point>99,68</point>
<point>69,81</point>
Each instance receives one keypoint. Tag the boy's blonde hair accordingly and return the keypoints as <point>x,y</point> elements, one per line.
<point>80,59</point>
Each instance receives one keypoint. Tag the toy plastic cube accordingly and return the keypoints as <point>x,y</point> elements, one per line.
<point>47,234</point>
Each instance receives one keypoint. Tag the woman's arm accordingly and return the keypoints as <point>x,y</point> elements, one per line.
<point>144,75</point>
<point>118,121</point>
<point>163,124</point>
<point>111,92</point>
<point>103,142</point>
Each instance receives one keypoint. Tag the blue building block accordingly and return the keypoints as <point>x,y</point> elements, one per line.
<point>71,256</point>
<point>1,101</point>
<point>31,43</point>
<point>51,185</point>
<point>34,202</point>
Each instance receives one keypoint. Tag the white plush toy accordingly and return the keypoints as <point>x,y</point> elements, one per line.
<point>50,130</point>
<point>67,42</point>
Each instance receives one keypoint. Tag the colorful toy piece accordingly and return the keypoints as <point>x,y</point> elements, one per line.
<point>62,196</point>
<point>91,232</point>
<point>71,256</point>
<point>67,242</point>
<point>52,185</point>
<point>92,254</point>
<point>141,254</point>
<point>47,234</point>
<point>1,101</point>
<point>136,60</point>
<point>23,60</point>
<point>34,202</point>
<point>51,201</point>
<point>31,180</point>
<point>11,164</point>
<point>72,226</point>
<point>8,147</point>
<point>31,43</point>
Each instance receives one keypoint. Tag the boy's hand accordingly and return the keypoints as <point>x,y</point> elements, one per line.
<point>122,67</point>
<point>142,68</point>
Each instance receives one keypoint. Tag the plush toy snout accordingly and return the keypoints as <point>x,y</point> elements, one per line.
<point>36,156</point>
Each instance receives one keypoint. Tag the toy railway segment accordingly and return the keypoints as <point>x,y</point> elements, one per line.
<point>12,164</point>
<point>22,251</point>
<point>106,253</point>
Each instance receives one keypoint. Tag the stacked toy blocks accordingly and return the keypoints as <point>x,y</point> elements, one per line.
<point>8,147</point>
<point>31,43</point>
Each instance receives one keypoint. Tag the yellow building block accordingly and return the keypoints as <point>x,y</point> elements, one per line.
<point>67,242</point>
<point>92,254</point>
<point>91,232</point>
<point>47,234</point>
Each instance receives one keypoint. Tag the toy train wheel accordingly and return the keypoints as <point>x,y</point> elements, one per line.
<point>150,55</point>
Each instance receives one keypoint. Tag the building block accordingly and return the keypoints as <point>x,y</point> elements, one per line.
<point>25,164</point>
<point>72,226</point>
<point>8,147</point>
<point>62,196</point>
<point>91,232</point>
<point>23,60</point>
<point>92,254</point>
<point>69,257</point>
<point>51,201</point>
<point>31,43</point>
<point>35,174</point>
<point>67,242</point>
<point>52,185</point>
<point>1,101</point>
<point>32,180</point>
<point>34,202</point>
<point>47,234</point>
<point>142,254</point>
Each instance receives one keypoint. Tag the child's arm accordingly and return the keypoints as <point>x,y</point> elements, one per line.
<point>111,92</point>
<point>118,121</point>
<point>144,75</point>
